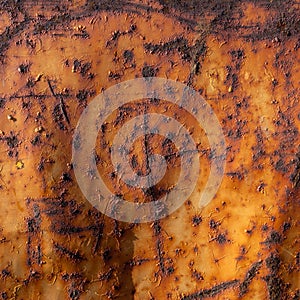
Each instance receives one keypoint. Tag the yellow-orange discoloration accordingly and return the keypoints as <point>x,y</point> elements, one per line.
<point>243,59</point>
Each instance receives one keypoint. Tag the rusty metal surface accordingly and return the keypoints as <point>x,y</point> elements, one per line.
<point>243,57</point>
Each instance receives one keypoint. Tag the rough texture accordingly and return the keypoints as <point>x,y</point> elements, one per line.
<point>243,57</point>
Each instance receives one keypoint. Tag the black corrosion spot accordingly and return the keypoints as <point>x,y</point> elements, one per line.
<point>23,68</point>
<point>106,255</point>
<point>273,238</point>
<point>128,56</point>
<point>221,238</point>
<point>196,220</point>
<point>213,224</point>
<point>148,71</point>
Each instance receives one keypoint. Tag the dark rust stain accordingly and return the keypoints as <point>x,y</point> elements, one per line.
<point>12,142</point>
<point>213,224</point>
<point>250,275</point>
<point>149,71</point>
<point>295,176</point>
<point>128,56</point>
<point>196,220</point>
<point>83,95</point>
<point>274,238</point>
<point>107,275</point>
<point>221,238</point>
<point>160,256</point>
<point>211,292</point>
<point>59,112</point>
<point>5,273</point>
<point>179,44</point>
<point>34,250</point>
<point>23,68</point>
<point>98,232</point>
<point>136,262</point>
<point>75,256</point>
<point>277,288</point>
<point>107,255</point>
